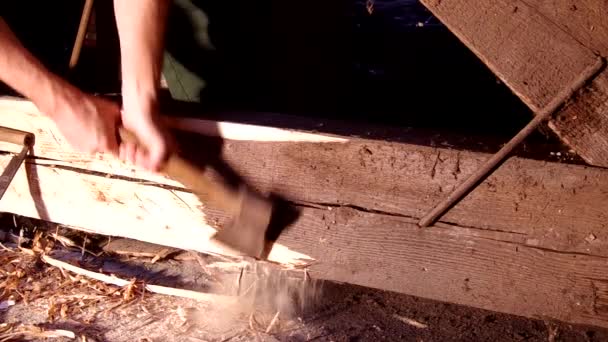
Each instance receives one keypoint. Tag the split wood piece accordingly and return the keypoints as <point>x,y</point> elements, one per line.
<point>538,48</point>
<point>169,291</point>
<point>122,208</point>
<point>487,168</point>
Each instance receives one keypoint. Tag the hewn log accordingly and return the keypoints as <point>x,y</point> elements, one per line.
<point>531,240</point>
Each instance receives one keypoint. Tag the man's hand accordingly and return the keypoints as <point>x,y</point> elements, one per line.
<point>87,122</point>
<point>140,116</point>
<point>141,30</point>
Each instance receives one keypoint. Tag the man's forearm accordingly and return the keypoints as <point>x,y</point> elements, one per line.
<point>141,29</point>
<point>23,72</point>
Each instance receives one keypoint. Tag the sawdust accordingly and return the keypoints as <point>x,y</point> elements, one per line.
<point>270,299</point>
<point>266,298</point>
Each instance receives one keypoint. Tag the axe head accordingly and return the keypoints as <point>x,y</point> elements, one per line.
<point>246,231</point>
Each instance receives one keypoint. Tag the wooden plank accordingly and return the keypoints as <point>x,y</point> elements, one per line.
<point>533,56</point>
<point>494,270</point>
<point>538,48</point>
<point>530,241</point>
<point>543,201</point>
<point>554,205</point>
<point>585,20</point>
<point>118,207</point>
<point>491,270</point>
<point>583,122</point>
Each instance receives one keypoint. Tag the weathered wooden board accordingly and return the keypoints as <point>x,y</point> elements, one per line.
<point>531,240</point>
<point>585,20</point>
<point>538,48</point>
<point>491,270</point>
<point>545,202</point>
<point>495,270</point>
<point>533,56</point>
<point>583,123</point>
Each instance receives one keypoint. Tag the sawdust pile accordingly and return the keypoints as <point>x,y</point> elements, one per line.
<point>263,298</point>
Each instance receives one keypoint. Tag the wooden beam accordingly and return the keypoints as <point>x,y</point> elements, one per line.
<point>538,48</point>
<point>118,207</point>
<point>531,240</point>
<point>583,122</point>
<point>584,20</point>
<point>491,270</point>
<point>533,56</point>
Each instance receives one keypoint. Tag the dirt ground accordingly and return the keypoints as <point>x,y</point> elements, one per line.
<point>247,301</point>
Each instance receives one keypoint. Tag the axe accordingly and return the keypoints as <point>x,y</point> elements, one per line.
<point>249,211</point>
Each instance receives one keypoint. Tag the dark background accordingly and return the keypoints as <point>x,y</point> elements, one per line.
<point>366,62</point>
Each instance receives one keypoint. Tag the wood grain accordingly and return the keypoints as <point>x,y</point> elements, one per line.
<point>538,47</point>
<point>585,20</point>
<point>531,240</point>
<point>494,270</point>
<point>583,123</point>
<point>490,270</point>
<point>117,207</point>
<point>553,205</point>
<point>532,55</point>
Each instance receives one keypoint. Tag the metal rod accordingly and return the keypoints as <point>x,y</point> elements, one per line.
<point>11,169</point>
<point>487,168</point>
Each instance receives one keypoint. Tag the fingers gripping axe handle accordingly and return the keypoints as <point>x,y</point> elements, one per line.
<point>195,179</point>
<point>251,213</point>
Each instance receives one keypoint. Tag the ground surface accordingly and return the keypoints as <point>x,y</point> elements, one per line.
<point>57,299</point>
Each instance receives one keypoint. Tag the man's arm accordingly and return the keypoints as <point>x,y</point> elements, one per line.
<point>141,30</point>
<point>87,122</point>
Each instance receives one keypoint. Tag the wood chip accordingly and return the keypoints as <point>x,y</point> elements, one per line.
<point>31,332</point>
<point>411,322</point>
<point>201,296</point>
<point>273,322</point>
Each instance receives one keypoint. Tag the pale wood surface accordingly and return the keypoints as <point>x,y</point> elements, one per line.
<point>117,207</point>
<point>531,240</point>
<point>538,47</point>
<point>51,144</point>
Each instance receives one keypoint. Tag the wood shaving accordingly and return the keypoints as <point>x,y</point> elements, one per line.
<point>411,322</point>
<point>21,332</point>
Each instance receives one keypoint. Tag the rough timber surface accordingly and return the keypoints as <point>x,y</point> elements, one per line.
<point>531,240</point>
<point>584,20</point>
<point>538,48</point>
<point>583,123</point>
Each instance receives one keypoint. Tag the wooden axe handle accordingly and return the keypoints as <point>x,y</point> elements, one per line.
<point>16,137</point>
<point>196,179</point>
